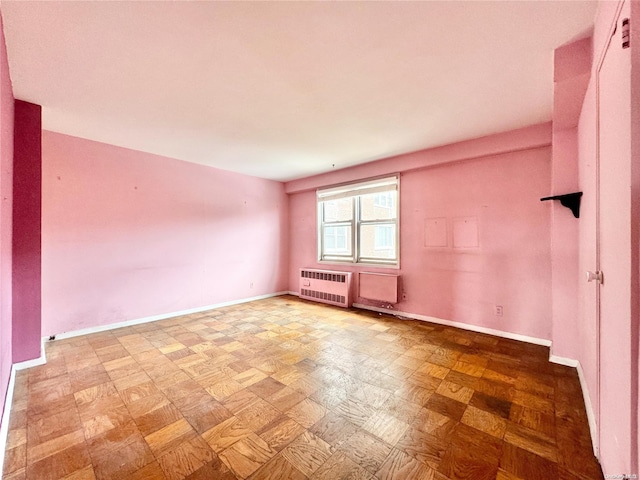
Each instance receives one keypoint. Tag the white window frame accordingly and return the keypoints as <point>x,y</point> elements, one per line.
<point>355,191</point>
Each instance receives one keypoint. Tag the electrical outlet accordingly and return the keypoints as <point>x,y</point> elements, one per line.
<point>499,310</point>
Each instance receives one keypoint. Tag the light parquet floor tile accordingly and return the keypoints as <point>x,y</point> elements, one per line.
<point>288,389</point>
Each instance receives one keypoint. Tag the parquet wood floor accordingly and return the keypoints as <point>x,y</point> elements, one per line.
<point>286,389</point>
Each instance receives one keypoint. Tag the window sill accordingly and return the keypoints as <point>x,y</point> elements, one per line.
<point>361,264</point>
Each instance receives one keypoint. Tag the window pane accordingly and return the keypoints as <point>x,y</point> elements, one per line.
<point>378,206</point>
<point>337,240</point>
<point>339,210</point>
<point>378,241</point>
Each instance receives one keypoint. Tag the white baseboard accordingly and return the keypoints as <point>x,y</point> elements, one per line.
<point>8,402</point>
<point>463,326</point>
<point>4,425</point>
<point>567,362</point>
<point>6,416</point>
<point>591,416</point>
<point>164,316</point>
<point>8,399</point>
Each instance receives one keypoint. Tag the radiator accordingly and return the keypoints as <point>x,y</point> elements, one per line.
<point>326,286</point>
<point>381,287</point>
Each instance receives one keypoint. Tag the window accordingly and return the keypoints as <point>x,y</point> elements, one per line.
<point>335,240</point>
<point>384,237</point>
<point>384,200</point>
<point>358,223</point>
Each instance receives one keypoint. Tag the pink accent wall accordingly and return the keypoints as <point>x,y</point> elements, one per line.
<point>6,209</point>
<point>511,265</point>
<point>27,203</point>
<point>128,235</point>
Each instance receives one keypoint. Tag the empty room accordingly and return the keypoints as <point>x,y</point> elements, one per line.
<point>319,240</point>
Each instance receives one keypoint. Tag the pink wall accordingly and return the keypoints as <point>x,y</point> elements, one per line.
<point>634,324</point>
<point>564,243</point>
<point>586,338</point>
<point>521,139</point>
<point>635,154</point>
<point>128,235</point>
<point>27,201</point>
<point>572,66</point>
<point>615,396</point>
<point>6,208</point>
<point>571,72</point>
<point>511,266</point>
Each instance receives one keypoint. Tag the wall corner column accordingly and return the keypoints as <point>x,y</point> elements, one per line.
<point>572,68</point>
<point>27,232</point>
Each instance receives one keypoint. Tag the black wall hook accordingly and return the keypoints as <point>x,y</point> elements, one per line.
<point>569,200</point>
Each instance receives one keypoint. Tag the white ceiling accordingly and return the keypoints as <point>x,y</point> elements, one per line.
<point>284,90</point>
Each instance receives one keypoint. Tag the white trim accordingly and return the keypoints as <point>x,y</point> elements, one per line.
<point>567,362</point>
<point>588,406</point>
<point>6,414</point>
<point>463,326</point>
<point>164,316</point>
<point>591,416</point>
<point>353,189</point>
<point>350,264</point>
<point>4,422</point>
<point>8,399</point>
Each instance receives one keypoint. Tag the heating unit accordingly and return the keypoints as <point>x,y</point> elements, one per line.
<point>326,286</point>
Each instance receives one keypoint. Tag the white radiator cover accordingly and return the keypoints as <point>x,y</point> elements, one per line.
<point>326,286</point>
